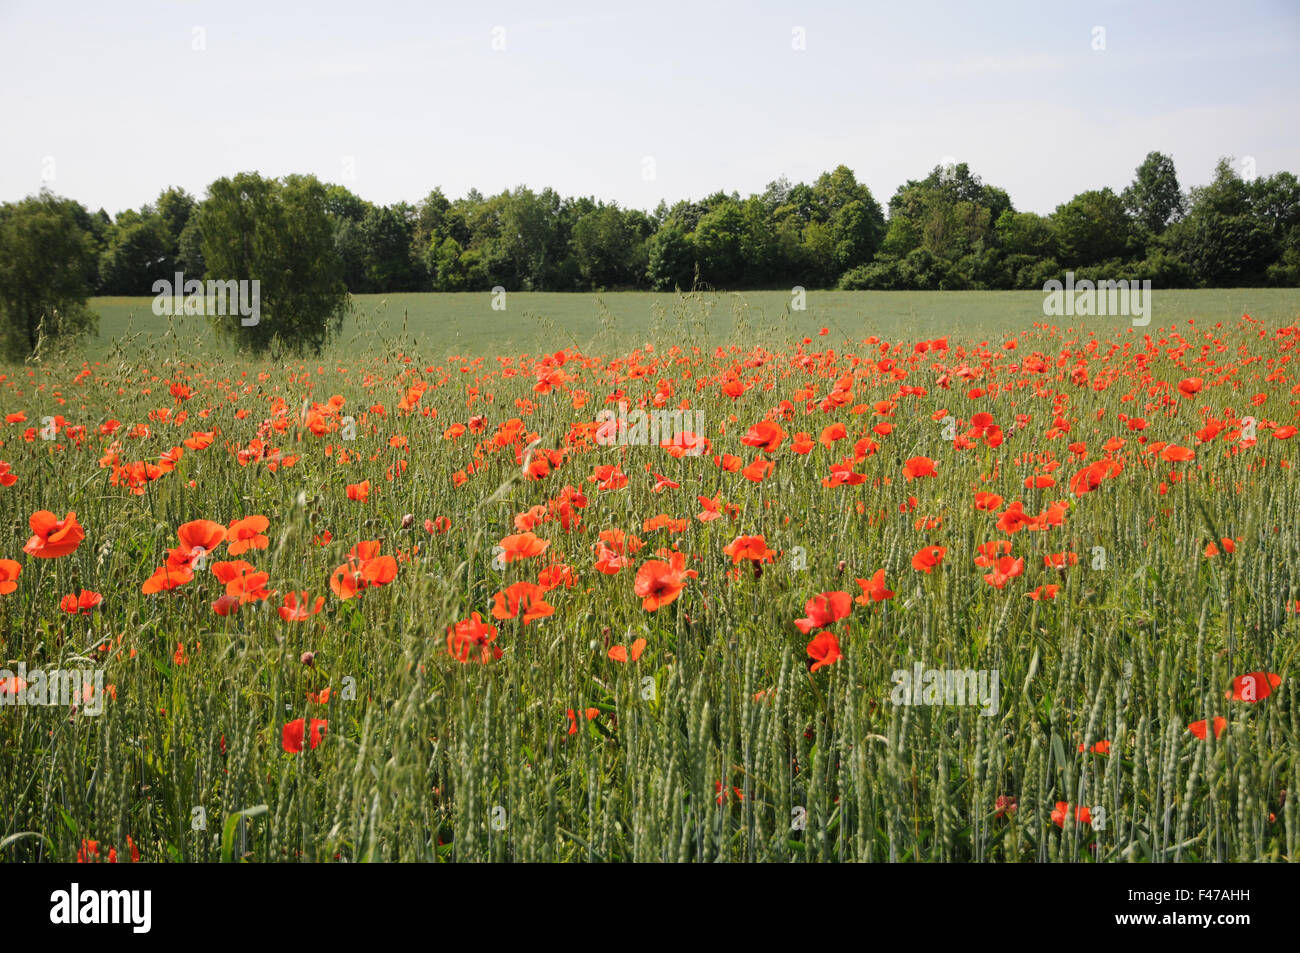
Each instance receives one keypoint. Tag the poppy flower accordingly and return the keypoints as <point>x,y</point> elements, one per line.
<point>53,537</point>
<point>1048,591</point>
<point>658,584</point>
<point>1061,813</point>
<point>873,589</point>
<point>291,736</point>
<point>824,609</point>
<point>724,795</point>
<point>525,597</point>
<point>224,605</point>
<point>622,653</point>
<point>990,551</point>
<point>247,533</point>
<point>82,604</point>
<point>753,548</point>
<point>471,640</point>
<point>12,685</point>
<point>766,435</point>
<point>919,467</point>
<point>9,571</point>
<point>556,575</point>
<point>1101,747</point>
<point>522,546</point>
<point>1004,571</point>
<point>712,509</point>
<point>1198,728</point>
<point>834,432</point>
<point>359,492</point>
<point>198,538</point>
<point>297,606</point>
<point>663,483</point>
<point>242,580</point>
<point>590,713</point>
<point>1253,686</point>
<point>364,569</point>
<point>165,578</point>
<point>825,648</point>
<point>928,558</point>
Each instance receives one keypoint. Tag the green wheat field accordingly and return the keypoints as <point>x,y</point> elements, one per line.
<point>407,600</point>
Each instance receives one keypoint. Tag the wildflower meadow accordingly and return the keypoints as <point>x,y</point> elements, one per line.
<point>1019,594</point>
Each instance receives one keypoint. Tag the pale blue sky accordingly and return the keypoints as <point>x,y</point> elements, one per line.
<point>415,95</point>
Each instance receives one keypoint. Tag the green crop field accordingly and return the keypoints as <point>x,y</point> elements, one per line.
<point>948,582</point>
<point>467,323</point>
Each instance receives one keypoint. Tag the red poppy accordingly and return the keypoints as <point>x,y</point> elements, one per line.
<point>659,583</point>
<point>247,533</point>
<point>470,640</point>
<point>82,604</point>
<point>522,546</point>
<point>297,606</point>
<point>873,589</point>
<point>291,736</point>
<point>622,653</point>
<point>753,548</point>
<point>198,538</point>
<point>1004,570</point>
<point>1198,728</point>
<point>1061,813</point>
<point>824,609</point>
<point>928,558</point>
<point>825,648</point>
<point>167,577</point>
<point>525,597</point>
<point>9,571</point>
<point>919,467</point>
<point>766,435</point>
<point>1253,686</point>
<point>53,537</point>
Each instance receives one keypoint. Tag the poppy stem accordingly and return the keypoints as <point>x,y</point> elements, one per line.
<point>821,699</point>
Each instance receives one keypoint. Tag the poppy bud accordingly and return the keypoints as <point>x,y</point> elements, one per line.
<point>407,520</point>
<point>308,659</point>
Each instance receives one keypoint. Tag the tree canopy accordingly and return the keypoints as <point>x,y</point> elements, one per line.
<point>310,243</point>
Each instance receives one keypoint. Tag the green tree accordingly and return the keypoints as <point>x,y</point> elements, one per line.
<point>1154,198</point>
<point>605,248</point>
<point>1091,228</point>
<point>670,263</point>
<point>277,232</point>
<point>47,271</point>
<point>1223,240</point>
<point>137,255</point>
<point>1026,233</point>
<point>719,242</point>
<point>387,237</point>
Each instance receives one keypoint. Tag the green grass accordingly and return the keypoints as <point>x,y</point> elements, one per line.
<point>421,751</point>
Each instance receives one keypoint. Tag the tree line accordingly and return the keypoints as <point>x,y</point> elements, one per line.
<point>316,242</point>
